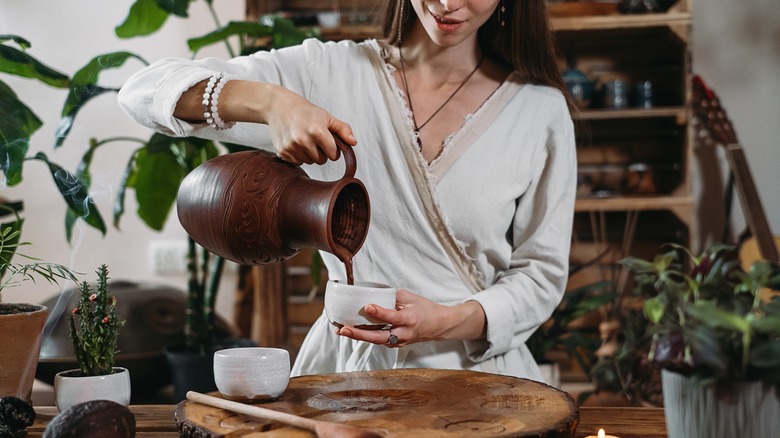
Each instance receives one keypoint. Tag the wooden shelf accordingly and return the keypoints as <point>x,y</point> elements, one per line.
<point>624,203</point>
<point>620,21</point>
<point>350,32</point>
<point>680,113</point>
<point>681,206</point>
<point>678,13</point>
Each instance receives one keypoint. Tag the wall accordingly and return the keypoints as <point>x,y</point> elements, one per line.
<point>736,49</point>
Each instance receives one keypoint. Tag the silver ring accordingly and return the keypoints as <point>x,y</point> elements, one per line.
<point>392,339</point>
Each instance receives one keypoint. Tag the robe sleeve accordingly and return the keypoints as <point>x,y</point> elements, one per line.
<point>150,95</point>
<point>524,296</point>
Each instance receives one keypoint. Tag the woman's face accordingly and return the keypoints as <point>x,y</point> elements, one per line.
<point>450,22</point>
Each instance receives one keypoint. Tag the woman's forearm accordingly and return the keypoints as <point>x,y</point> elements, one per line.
<point>239,101</point>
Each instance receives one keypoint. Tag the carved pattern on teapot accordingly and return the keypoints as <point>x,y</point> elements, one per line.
<point>251,201</point>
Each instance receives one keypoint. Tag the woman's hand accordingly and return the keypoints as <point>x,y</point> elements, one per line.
<point>417,319</point>
<point>303,132</point>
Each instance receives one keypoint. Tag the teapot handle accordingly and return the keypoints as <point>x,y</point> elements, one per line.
<point>349,157</point>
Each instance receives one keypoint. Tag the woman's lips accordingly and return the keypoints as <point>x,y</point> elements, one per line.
<point>446,25</point>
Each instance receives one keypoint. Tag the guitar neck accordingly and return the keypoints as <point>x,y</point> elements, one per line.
<point>751,203</point>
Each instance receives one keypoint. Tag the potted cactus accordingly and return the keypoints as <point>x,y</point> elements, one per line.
<point>94,328</point>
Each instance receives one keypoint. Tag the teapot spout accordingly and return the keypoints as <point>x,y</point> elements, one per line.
<point>329,216</point>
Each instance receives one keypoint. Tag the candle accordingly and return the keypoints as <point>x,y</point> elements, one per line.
<point>601,434</point>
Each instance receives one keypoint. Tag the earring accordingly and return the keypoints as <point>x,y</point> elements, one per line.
<point>400,21</point>
<point>501,12</point>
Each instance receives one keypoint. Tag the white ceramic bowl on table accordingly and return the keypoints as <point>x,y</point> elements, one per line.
<point>252,373</point>
<point>344,303</point>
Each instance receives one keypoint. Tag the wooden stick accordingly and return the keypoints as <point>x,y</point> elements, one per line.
<point>320,427</point>
<point>254,411</point>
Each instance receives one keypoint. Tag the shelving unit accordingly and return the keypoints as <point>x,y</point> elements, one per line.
<point>632,48</point>
<point>612,144</point>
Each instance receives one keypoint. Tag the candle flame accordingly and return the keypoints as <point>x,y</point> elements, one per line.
<point>602,434</point>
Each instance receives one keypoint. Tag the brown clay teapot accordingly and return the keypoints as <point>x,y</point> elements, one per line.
<point>254,208</point>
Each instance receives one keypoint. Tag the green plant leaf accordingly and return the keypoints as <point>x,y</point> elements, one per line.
<point>75,194</point>
<point>11,232</point>
<point>175,7</point>
<point>315,268</point>
<point>157,182</point>
<point>767,324</point>
<point>708,347</point>
<point>709,314</point>
<point>773,306</point>
<point>773,282</point>
<point>23,43</point>
<point>145,17</point>
<point>654,309</point>
<point>637,265</point>
<point>767,355</point>
<point>285,33</point>
<point>127,181</point>
<point>248,28</point>
<point>17,124</point>
<point>588,305</point>
<point>83,87</point>
<point>16,62</point>
<point>70,221</point>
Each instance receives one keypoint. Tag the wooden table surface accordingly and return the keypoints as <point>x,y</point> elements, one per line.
<point>158,421</point>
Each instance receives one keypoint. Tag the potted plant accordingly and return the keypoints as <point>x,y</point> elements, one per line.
<point>157,165</point>
<point>556,335</point>
<point>715,333</point>
<point>19,354</point>
<point>94,328</point>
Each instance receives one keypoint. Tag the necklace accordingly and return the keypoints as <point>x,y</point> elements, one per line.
<point>417,128</point>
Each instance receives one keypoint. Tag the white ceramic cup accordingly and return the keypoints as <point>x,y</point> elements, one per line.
<point>252,373</point>
<point>344,303</point>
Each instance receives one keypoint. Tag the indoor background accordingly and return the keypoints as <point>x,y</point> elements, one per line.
<point>736,48</point>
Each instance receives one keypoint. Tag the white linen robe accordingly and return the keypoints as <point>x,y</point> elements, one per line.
<point>489,220</point>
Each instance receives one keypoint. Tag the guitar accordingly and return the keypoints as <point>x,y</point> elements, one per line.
<point>761,245</point>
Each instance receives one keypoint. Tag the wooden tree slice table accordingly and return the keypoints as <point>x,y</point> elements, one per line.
<point>402,403</point>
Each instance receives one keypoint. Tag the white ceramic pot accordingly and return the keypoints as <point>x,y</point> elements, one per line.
<point>693,412</point>
<point>252,373</point>
<point>70,388</point>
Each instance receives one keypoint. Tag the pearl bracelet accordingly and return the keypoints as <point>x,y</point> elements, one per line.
<point>211,102</point>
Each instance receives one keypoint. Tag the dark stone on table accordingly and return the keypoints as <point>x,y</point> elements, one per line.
<point>16,416</point>
<point>93,419</point>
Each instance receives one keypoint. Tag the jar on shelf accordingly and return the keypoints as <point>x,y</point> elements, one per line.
<point>638,6</point>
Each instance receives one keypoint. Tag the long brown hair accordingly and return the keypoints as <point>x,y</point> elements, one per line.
<point>525,44</point>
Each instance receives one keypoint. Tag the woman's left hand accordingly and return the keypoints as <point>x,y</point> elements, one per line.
<point>418,319</point>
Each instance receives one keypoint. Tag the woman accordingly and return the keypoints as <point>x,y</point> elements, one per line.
<point>465,143</point>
